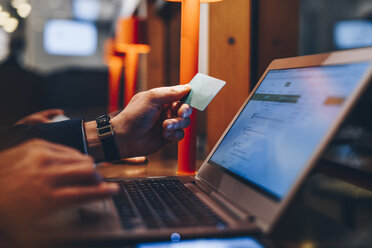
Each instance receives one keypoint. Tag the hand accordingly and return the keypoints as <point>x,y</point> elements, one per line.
<point>152,119</point>
<point>40,117</point>
<point>38,177</point>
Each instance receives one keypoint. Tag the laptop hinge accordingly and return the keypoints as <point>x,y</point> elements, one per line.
<point>219,198</point>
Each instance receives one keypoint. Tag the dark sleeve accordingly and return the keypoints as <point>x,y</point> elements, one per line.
<point>69,133</point>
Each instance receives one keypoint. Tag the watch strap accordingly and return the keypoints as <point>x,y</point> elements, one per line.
<point>109,149</point>
<point>106,134</point>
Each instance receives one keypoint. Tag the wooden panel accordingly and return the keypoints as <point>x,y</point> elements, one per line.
<point>229,60</point>
<point>164,39</point>
<point>175,46</point>
<point>155,59</point>
<point>278,31</point>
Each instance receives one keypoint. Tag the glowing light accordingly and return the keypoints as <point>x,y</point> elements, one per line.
<point>3,17</point>
<point>10,25</point>
<point>16,3</point>
<point>24,9</point>
<point>307,244</point>
<point>175,237</point>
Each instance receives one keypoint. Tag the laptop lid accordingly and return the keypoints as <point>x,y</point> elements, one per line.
<point>282,128</point>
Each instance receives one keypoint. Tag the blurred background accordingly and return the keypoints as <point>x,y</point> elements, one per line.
<point>58,47</point>
<point>52,54</point>
<point>56,54</point>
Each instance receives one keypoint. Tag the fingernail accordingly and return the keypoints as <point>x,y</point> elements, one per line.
<point>187,113</point>
<point>185,87</point>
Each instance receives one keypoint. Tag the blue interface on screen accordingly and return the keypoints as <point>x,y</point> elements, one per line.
<point>242,242</point>
<point>280,127</point>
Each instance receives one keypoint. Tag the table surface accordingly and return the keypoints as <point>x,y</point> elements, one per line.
<point>156,166</point>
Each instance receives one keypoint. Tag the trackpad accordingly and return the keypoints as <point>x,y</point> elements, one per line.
<point>96,216</point>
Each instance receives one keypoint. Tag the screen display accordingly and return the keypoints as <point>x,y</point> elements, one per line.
<point>241,242</point>
<point>279,129</point>
<point>353,34</point>
<point>70,38</point>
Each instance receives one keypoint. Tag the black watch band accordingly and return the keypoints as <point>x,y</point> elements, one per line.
<point>106,134</point>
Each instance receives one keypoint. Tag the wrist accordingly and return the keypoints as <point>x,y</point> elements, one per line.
<point>119,137</point>
<point>94,144</point>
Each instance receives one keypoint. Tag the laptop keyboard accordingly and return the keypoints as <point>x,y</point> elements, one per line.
<point>162,203</point>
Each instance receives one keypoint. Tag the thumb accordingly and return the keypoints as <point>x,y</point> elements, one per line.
<point>166,95</point>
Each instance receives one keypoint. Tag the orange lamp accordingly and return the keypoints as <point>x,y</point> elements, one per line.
<point>189,68</point>
<point>130,40</point>
<point>115,68</point>
<point>122,52</point>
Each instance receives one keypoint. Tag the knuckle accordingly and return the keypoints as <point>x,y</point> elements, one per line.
<point>138,95</point>
<point>35,154</point>
<point>150,94</point>
<point>173,91</point>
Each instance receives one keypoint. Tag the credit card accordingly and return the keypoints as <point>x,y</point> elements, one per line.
<point>203,89</point>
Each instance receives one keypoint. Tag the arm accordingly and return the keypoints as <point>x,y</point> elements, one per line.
<point>44,116</point>
<point>151,120</point>
<point>68,133</point>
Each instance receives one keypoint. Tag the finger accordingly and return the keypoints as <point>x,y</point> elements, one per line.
<point>35,120</point>
<point>41,119</point>
<point>76,195</point>
<point>51,159</point>
<point>185,111</point>
<point>57,148</point>
<point>165,95</point>
<point>46,153</point>
<point>134,160</point>
<point>176,123</point>
<point>74,174</point>
<point>174,135</point>
<point>181,109</point>
<point>50,113</point>
<point>176,106</point>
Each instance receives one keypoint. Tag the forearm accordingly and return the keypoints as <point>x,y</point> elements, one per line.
<point>68,133</point>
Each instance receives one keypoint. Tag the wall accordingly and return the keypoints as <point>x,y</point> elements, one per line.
<point>35,56</point>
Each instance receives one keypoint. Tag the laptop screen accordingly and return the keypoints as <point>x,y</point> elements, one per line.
<point>279,129</point>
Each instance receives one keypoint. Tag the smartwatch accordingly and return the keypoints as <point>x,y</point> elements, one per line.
<point>105,132</point>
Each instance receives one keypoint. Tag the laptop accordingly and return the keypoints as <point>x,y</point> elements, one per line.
<point>257,165</point>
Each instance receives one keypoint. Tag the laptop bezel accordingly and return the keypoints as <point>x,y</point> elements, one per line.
<point>265,209</point>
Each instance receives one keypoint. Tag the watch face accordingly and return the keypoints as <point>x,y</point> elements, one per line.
<point>103,120</point>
